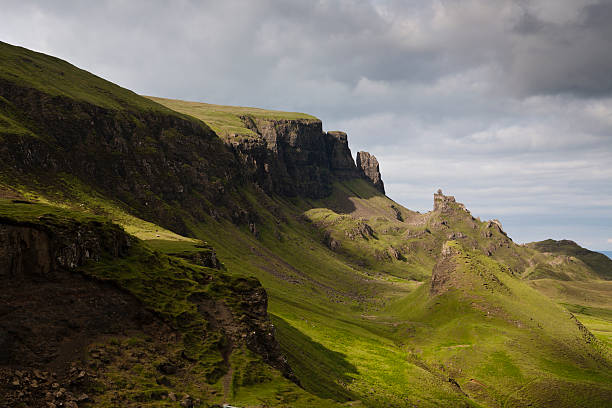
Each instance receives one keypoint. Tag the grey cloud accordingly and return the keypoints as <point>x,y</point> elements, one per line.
<point>506,104</point>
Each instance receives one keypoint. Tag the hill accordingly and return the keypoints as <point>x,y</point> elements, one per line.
<point>597,262</point>
<point>246,258</point>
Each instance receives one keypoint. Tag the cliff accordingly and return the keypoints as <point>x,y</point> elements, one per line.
<point>294,157</point>
<point>285,153</point>
<point>148,158</point>
<point>144,158</point>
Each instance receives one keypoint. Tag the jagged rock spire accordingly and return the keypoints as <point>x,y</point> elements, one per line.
<point>368,166</point>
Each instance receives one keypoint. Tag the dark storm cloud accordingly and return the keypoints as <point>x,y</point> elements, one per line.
<point>508,104</point>
<point>569,56</point>
<point>518,45</point>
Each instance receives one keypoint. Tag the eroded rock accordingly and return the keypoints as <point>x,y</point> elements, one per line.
<point>369,167</point>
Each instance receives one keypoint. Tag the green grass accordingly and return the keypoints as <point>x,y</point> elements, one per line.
<point>353,332</point>
<point>597,262</point>
<point>360,341</point>
<point>170,287</point>
<point>56,77</point>
<point>48,217</point>
<point>227,120</point>
<point>167,246</point>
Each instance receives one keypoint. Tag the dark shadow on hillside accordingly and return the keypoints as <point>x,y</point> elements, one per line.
<point>320,370</point>
<point>339,201</point>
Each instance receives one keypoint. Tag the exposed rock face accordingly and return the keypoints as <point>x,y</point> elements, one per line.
<point>341,160</point>
<point>27,250</point>
<point>368,165</point>
<point>362,229</point>
<point>294,157</point>
<point>443,271</point>
<point>147,159</point>
<point>143,158</point>
<point>446,203</point>
<point>455,271</point>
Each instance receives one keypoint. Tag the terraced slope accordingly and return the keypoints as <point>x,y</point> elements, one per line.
<point>372,304</point>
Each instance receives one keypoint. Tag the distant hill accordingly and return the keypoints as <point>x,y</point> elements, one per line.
<point>598,262</point>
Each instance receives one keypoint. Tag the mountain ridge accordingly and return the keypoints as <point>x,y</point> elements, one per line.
<point>347,271</point>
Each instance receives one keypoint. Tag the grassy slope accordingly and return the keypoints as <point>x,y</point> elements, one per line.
<point>561,276</point>
<point>226,120</point>
<point>343,324</point>
<point>571,252</point>
<point>388,337</point>
<point>166,285</point>
<point>357,323</point>
<point>321,303</point>
<point>496,338</point>
<point>59,78</point>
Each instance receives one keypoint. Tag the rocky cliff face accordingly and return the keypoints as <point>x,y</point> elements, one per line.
<point>369,168</point>
<point>37,249</point>
<point>143,158</point>
<point>446,203</point>
<point>295,157</point>
<point>148,159</point>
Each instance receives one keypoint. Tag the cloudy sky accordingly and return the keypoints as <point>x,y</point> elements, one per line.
<point>505,104</point>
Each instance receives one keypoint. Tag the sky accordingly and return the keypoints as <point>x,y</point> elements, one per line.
<point>505,104</point>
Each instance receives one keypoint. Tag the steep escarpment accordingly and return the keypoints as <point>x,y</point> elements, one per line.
<point>142,158</point>
<point>153,159</point>
<point>285,153</point>
<point>294,157</point>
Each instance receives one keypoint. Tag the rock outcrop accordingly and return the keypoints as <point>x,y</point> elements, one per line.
<point>369,168</point>
<point>446,203</point>
<point>39,250</point>
<point>340,159</point>
<point>294,157</point>
<point>444,269</point>
<point>459,269</point>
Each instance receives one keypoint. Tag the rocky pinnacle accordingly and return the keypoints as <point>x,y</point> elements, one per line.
<point>368,165</point>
